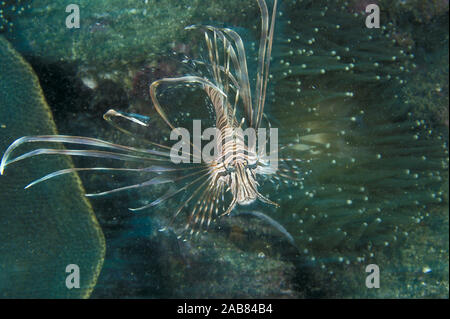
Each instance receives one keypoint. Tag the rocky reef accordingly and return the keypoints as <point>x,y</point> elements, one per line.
<point>116,38</point>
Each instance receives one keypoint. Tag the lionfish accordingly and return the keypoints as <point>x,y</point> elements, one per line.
<point>214,189</point>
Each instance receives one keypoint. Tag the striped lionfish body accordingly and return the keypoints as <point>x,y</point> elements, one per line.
<point>214,188</point>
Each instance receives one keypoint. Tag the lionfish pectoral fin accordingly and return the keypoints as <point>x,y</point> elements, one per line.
<point>154,181</point>
<point>116,153</point>
<point>267,201</point>
<point>72,170</point>
<point>170,193</point>
<point>157,201</point>
<point>230,208</point>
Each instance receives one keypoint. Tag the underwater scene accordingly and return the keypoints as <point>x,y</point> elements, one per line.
<point>165,149</point>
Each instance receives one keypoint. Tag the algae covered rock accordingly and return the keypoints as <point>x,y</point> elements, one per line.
<point>241,257</point>
<point>44,230</point>
<point>116,40</point>
<point>112,34</point>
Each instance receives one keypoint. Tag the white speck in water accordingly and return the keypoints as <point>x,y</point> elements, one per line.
<point>89,82</point>
<point>426,269</point>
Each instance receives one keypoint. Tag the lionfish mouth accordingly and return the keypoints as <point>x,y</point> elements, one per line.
<point>205,193</point>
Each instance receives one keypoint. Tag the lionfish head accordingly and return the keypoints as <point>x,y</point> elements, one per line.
<point>243,184</point>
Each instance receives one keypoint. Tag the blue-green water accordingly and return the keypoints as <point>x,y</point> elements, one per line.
<point>364,111</point>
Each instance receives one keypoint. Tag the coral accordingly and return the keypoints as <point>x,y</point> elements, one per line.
<point>43,231</point>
